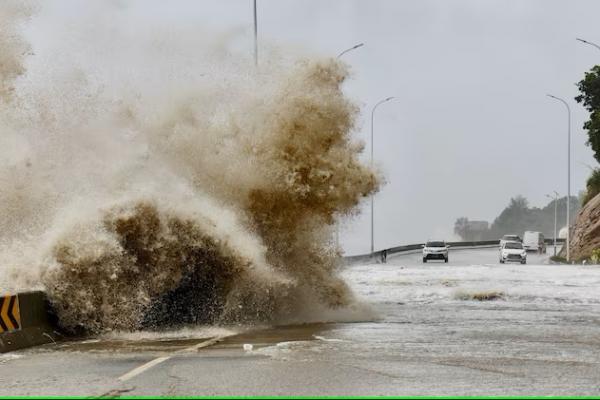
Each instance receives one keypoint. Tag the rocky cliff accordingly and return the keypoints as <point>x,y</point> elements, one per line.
<point>585,233</point>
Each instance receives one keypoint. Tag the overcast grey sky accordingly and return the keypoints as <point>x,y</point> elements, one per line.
<point>471,126</point>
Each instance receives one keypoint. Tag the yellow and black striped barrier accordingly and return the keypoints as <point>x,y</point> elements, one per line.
<point>25,321</point>
<point>10,315</point>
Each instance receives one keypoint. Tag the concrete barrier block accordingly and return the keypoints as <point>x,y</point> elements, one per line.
<point>26,321</point>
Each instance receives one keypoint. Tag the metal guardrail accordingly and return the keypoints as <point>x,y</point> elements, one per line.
<point>379,255</point>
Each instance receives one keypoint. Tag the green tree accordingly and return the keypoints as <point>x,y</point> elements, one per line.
<point>461,227</point>
<point>589,88</point>
<point>513,219</point>
<point>593,186</point>
<point>518,204</point>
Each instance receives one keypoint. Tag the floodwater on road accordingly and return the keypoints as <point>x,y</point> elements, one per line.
<point>538,334</point>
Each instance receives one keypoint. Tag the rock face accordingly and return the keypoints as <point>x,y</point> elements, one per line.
<point>585,233</point>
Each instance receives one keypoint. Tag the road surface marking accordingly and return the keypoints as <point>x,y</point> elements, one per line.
<point>136,371</point>
<point>201,345</point>
<point>143,368</point>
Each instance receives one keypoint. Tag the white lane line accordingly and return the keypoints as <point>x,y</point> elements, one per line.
<point>201,345</point>
<point>143,368</point>
<point>136,371</point>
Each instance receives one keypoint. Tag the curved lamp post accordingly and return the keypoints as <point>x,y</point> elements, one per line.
<point>568,174</point>
<point>337,228</point>
<point>590,43</point>
<point>372,207</point>
<point>350,49</point>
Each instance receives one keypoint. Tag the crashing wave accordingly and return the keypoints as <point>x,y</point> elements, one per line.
<point>147,203</point>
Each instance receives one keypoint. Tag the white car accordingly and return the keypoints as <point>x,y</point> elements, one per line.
<point>513,251</point>
<point>509,238</point>
<point>435,250</point>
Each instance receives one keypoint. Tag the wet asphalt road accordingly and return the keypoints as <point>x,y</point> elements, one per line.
<point>540,336</point>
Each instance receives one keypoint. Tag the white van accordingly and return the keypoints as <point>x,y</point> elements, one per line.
<point>534,241</point>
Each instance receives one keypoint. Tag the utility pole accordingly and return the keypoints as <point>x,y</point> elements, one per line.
<point>568,241</point>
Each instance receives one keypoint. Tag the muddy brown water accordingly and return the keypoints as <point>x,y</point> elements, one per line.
<point>257,336</point>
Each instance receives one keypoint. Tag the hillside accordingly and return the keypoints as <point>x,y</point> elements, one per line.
<point>585,233</point>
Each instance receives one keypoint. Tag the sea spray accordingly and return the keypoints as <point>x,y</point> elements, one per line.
<point>192,199</point>
<point>121,270</point>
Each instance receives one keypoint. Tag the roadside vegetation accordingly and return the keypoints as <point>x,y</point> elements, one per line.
<point>589,89</point>
<point>594,258</point>
<point>592,186</point>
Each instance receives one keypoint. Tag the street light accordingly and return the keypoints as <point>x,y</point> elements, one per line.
<point>337,228</point>
<point>568,174</point>
<point>590,43</point>
<point>555,205</point>
<point>372,208</point>
<point>255,36</point>
<point>350,49</point>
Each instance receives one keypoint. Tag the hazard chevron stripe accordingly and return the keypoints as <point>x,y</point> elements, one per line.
<point>10,315</point>
<point>14,314</point>
<point>3,327</point>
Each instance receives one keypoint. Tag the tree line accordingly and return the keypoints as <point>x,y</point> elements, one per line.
<point>517,218</point>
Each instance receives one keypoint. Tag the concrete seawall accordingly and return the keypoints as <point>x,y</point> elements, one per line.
<point>25,321</point>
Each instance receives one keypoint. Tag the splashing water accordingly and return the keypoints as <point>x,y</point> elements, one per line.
<point>164,196</point>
